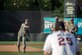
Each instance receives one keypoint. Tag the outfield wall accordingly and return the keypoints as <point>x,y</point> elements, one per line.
<point>13,37</point>
<point>33,37</point>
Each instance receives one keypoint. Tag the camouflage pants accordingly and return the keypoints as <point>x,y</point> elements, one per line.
<point>23,40</point>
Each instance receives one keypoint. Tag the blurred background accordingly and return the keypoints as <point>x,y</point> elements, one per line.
<point>14,12</point>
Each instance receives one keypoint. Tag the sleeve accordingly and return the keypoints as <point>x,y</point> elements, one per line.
<point>77,45</point>
<point>47,45</point>
<point>26,26</point>
<point>75,28</point>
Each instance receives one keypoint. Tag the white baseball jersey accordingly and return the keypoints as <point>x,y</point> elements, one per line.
<point>61,43</point>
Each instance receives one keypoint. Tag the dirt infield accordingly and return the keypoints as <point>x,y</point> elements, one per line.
<point>13,48</point>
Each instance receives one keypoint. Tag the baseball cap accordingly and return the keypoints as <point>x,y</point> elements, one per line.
<point>57,18</point>
<point>71,19</point>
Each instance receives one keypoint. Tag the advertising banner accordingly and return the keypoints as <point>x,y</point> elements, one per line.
<point>79,25</point>
<point>77,22</point>
<point>48,21</point>
<point>69,8</point>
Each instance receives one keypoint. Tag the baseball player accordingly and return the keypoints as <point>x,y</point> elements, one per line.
<point>61,42</point>
<point>79,39</point>
<point>72,27</point>
<point>22,34</point>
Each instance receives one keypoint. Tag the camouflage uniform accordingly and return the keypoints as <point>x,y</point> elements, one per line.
<point>22,34</point>
<point>72,28</point>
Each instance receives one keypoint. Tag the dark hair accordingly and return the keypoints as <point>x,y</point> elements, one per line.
<point>59,26</point>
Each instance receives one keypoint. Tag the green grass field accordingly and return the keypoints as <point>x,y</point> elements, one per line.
<point>27,53</point>
<point>16,53</point>
<point>21,53</point>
